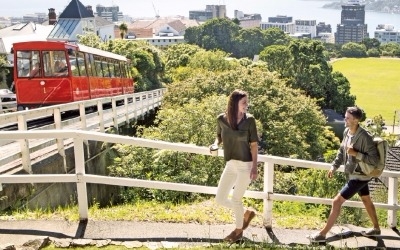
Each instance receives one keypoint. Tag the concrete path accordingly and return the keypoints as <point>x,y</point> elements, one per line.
<point>177,235</point>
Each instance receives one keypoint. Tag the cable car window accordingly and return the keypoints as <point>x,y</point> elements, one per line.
<point>97,64</point>
<point>106,70</point>
<point>55,63</point>
<point>91,69</point>
<point>117,69</point>
<point>82,64</point>
<point>28,62</point>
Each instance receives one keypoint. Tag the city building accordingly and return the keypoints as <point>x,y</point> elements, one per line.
<point>248,20</point>
<point>4,22</point>
<point>76,19</point>
<point>352,27</point>
<point>385,33</point>
<point>300,35</point>
<point>27,18</point>
<point>163,42</point>
<point>325,37</point>
<point>323,28</point>
<point>111,13</point>
<point>211,11</point>
<point>324,33</point>
<point>306,26</point>
<point>160,32</point>
<point>284,23</point>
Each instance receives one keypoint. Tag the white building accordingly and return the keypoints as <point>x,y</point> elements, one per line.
<point>162,41</point>
<point>326,37</point>
<point>284,23</point>
<point>385,33</point>
<point>248,20</point>
<point>76,19</point>
<point>306,26</point>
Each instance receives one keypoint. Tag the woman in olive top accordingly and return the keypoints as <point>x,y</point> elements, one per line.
<point>237,131</point>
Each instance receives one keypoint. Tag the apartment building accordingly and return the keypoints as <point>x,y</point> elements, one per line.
<point>247,20</point>
<point>385,33</point>
<point>352,27</point>
<point>211,11</point>
<point>110,13</point>
<point>284,23</point>
<point>306,26</point>
<point>322,27</point>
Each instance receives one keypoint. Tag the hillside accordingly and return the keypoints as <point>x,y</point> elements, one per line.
<point>387,6</point>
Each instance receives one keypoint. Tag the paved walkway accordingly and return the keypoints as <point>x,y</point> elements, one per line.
<point>176,235</point>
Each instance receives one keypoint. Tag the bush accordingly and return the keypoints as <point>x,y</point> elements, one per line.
<point>373,53</point>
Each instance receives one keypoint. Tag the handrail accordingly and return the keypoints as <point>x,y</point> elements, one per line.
<point>267,194</point>
<point>6,107</point>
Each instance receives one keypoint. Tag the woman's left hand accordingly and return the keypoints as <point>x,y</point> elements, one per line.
<point>254,173</point>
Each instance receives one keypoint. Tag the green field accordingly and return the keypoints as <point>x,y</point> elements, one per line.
<point>376,84</point>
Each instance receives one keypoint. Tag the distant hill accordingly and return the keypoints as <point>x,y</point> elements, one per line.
<point>386,6</point>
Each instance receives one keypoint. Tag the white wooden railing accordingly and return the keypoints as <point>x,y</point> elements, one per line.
<point>134,106</point>
<point>267,194</point>
<point>6,107</point>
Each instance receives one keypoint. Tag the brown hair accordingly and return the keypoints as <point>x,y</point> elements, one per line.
<point>233,107</point>
<point>356,112</point>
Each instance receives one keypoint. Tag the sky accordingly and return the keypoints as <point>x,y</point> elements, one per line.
<point>298,9</point>
<point>135,8</point>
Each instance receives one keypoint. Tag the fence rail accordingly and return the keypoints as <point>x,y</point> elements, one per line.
<point>6,107</point>
<point>267,194</point>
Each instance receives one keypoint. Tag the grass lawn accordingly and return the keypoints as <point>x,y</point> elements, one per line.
<point>376,84</point>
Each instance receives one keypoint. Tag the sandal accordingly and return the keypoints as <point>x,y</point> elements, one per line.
<point>233,236</point>
<point>317,237</point>
<point>371,232</point>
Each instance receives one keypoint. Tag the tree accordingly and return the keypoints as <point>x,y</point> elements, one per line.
<point>193,35</point>
<point>216,33</point>
<point>390,49</point>
<point>276,36</point>
<point>373,53</point>
<point>90,39</point>
<point>3,70</point>
<point>248,43</point>
<point>123,28</point>
<point>371,43</point>
<point>311,72</point>
<point>278,58</point>
<point>236,21</point>
<point>179,55</point>
<point>354,50</point>
<point>303,64</point>
<point>338,95</point>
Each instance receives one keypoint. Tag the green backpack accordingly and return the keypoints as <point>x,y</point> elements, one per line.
<point>376,170</point>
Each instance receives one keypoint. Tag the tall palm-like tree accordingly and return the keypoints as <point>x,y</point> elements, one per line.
<point>123,28</point>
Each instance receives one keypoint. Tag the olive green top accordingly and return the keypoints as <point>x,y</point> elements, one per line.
<point>236,143</point>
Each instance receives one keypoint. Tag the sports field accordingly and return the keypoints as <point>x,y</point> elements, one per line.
<point>376,84</point>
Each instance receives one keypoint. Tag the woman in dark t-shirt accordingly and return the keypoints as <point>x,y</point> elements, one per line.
<point>237,131</point>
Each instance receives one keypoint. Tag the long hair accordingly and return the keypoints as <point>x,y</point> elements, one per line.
<point>233,107</point>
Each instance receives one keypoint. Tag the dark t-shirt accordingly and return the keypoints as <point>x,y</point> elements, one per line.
<point>236,143</point>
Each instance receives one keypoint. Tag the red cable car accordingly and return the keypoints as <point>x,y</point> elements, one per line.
<point>49,73</point>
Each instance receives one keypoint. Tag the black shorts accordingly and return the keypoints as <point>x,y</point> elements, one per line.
<point>353,187</point>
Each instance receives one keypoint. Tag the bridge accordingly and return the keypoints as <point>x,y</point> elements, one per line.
<point>92,115</point>
<point>91,127</point>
